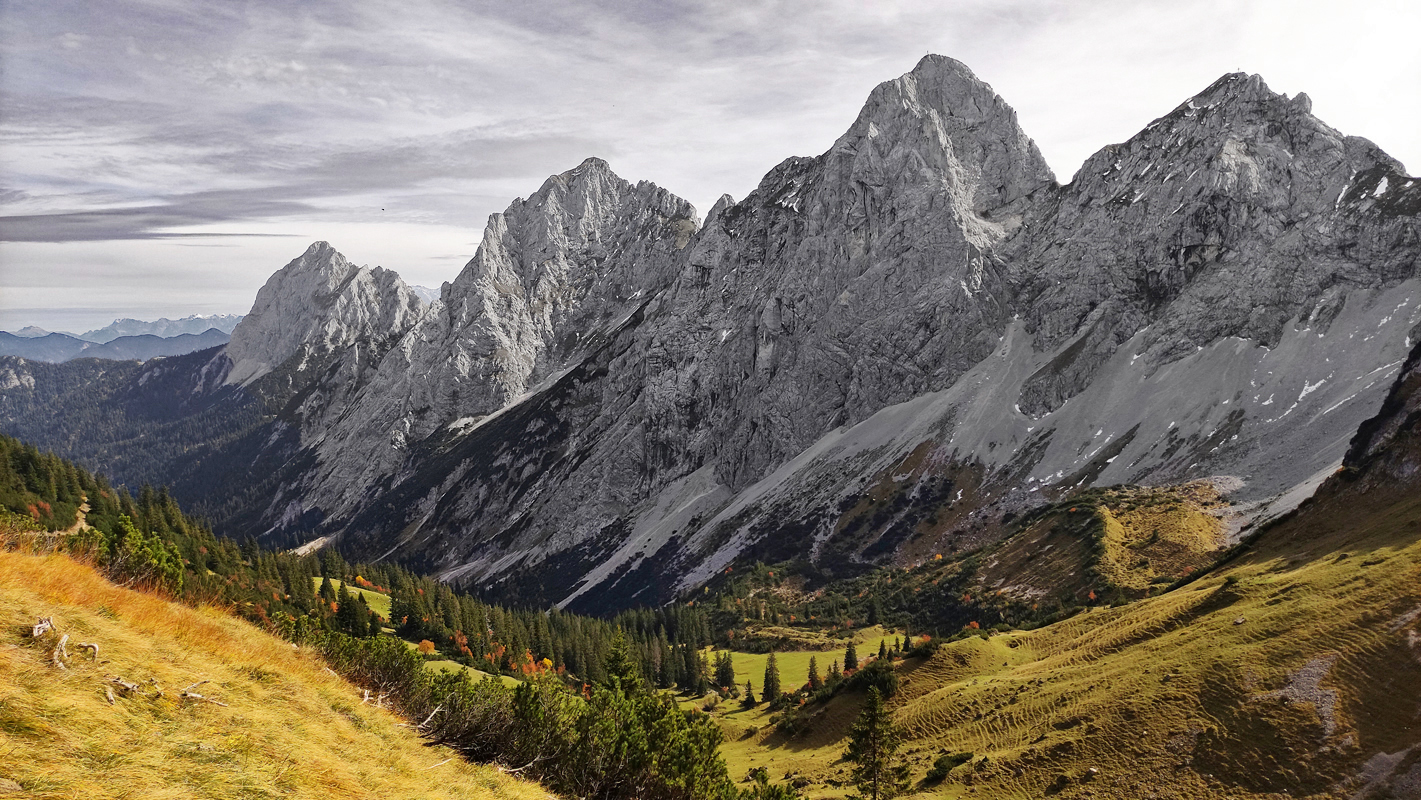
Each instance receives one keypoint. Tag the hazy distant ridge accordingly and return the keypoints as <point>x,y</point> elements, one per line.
<point>59,347</point>
<point>164,327</point>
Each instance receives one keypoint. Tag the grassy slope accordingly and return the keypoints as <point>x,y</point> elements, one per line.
<point>291,729</point>
<point>1172,695</point>
<point>377,602</point>
<point>794,664</point>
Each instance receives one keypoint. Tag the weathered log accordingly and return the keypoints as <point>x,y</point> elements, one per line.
<point>108,693</point>
<point>61,652</point>
<point>44,624</point>
<point>92,648</point>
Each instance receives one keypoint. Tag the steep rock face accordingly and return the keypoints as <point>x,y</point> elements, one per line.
<point>847,282</point>
<point>315,307</point>
<point>1223,218</point>
<point>1387,447</point>
<point>553,277</point>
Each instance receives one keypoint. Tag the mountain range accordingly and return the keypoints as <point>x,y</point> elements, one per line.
<point>60,347</point>
<point>122,340</point>
<point>885,353</point>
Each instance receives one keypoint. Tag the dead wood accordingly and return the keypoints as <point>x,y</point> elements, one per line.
<point>61,652</point>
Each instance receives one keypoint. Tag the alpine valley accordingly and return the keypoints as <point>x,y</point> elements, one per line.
<point>907,347</point>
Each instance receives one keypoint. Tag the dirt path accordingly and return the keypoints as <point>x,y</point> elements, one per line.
<point>79,521</point>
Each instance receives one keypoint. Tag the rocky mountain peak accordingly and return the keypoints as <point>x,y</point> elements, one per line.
<point>954,121</point>
<point>319,302</point>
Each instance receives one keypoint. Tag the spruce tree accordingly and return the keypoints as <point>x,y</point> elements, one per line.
<point>702,675</point>
<point>748,701</point>
<point>771,686</point>
<point>882,648</point>
<point>621,667</point>
<point>815,682</point>
<point>873,748</point>
<point>724,670</point>
<point>851,658</point>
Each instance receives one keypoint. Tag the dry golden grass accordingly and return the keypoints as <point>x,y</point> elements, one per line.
<point>1154,535</point>
<point>291,728</point>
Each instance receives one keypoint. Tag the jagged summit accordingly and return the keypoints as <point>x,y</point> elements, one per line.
<point>952,120</point>
<point>318,303</point>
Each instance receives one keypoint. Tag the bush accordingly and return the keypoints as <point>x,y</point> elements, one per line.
<point>924,649</point>
<point>878,675</point>
<point>945,764</point>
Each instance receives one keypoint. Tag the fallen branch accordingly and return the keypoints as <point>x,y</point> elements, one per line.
<point>130,688</point>
<point>431,715</point>
<point>108,693</point>
<point>92,648</point>
<point>186,695</point>
<point>440,764</point>
<point>61,652</point>
<point>44,624</point>
<point>189,694</point>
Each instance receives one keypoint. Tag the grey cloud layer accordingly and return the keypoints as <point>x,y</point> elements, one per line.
<point>156,115</point>
<point>136,118</point>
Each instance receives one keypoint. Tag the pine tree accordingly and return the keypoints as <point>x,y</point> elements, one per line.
<point>815,682</point>
<point>883,648</point>
<point>703,676</point>
<point>851,658</point>
<point>621,667</point>
<point>835,674</point>
<point>748,701</point>
<point>328,591</point>
<point>724,670</point>
<point>771,685</point>
<point>873,748</point>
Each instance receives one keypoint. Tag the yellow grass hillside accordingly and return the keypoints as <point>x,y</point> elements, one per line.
<point>289,727</point>
<point>1293,671</point>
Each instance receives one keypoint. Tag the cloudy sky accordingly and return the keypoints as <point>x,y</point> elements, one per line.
<point>163,157</point>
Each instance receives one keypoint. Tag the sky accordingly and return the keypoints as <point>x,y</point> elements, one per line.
<point>164,157</point>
